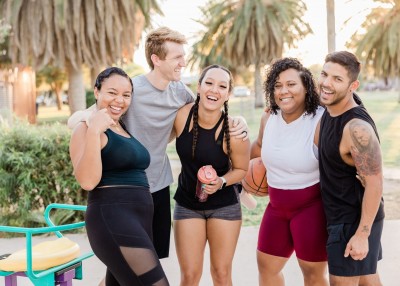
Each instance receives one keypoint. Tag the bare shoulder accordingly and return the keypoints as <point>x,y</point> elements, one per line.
<point>362,143</point>
<point>184,110</point>
<point>265,116</point>
<point>79,130</point>
<point>359,133</point>
<point>181,118</point>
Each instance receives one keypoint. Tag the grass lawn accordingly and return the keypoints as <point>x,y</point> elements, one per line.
<point>50,114</point>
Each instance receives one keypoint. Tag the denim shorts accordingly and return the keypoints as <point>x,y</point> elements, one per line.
<point>232,212</point>
<point>338,237</point>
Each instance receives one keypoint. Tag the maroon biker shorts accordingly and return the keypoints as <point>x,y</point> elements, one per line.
<point>294,221</point>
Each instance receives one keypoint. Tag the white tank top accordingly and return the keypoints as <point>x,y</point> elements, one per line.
<point>288,151</point>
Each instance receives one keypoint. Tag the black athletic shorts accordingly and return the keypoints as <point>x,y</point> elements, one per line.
<point>338,237</point>
<point>162,222</point>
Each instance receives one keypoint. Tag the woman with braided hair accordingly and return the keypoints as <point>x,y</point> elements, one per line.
<point>202,130</point>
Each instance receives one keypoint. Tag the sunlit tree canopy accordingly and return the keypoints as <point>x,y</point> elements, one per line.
<point>377,43</point>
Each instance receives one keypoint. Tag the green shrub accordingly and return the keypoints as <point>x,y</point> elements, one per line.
<point>35,170</point>
<point>90,99</point>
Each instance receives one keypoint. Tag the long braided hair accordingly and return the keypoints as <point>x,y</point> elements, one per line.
<point>225,126</point>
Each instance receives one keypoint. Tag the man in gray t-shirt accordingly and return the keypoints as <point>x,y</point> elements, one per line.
<point>156,98</point>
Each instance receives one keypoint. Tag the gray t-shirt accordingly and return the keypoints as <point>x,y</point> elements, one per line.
<point>150,119</point>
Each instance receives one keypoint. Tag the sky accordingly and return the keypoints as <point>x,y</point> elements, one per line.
<point>180,15</point>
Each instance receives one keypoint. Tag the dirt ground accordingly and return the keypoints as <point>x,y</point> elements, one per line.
<point>391,196</point>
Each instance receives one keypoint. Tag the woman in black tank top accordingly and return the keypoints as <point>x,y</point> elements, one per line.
<point>110,163</point>
<point>202,130</point>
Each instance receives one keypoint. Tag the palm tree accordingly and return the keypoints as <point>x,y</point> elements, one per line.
<point>72,33</point>
<point>243,33</point>
<point>379,46</point>
<point>330,20</point>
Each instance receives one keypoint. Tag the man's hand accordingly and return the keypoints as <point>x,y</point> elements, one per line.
<point>357,247</point>
<point>80,116</point>
<point>100,121</point>
<point>239,128</point>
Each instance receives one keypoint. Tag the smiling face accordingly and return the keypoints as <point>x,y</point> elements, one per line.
<point>114,95</point>
<point>335,86</point>
<point>171,67</point>
<point>290,94</point>
<point>214,88</point>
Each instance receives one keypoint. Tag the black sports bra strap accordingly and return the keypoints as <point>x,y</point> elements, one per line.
<point>188,120</point>
<point>219,120</point>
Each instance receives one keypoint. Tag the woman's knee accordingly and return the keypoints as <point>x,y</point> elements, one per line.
<point>221,275</point>
<point>270,264</point>
<point>190,277</point>
<point>314,273</point>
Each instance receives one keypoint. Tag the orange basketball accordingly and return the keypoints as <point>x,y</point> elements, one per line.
<point>255,181</point>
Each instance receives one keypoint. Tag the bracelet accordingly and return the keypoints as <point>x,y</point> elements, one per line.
<point>223,183</point>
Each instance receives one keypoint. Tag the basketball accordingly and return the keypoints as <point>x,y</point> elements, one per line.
<point>255,181</point>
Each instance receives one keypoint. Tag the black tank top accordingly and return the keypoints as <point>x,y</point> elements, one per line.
<point>342,192</point>
<point>208,152</point>
<point>124,161</point>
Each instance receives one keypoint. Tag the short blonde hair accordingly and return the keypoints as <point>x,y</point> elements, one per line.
<point>155,43</point>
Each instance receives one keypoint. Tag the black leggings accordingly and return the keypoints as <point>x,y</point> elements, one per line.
<point>118,224</point>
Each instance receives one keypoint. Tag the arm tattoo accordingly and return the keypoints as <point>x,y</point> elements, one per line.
<point>365,229</point>
<point>365,150</point>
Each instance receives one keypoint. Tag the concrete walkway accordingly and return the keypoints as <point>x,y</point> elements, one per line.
<point>244,265</point>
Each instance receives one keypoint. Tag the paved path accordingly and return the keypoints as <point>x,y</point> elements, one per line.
<point>391,174</point>
<point>244,265</point>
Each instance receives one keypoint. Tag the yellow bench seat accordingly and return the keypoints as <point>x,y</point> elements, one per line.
<point>45,255</point>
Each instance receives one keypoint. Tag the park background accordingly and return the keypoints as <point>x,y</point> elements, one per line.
<point>43,79</point>
<point>40,86</point>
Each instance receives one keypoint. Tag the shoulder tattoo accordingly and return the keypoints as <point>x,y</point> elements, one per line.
<point>365,148</point>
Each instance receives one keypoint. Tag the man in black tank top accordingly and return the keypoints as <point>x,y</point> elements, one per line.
<point>349,148</point>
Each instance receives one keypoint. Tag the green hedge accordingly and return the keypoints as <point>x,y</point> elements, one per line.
<point>35,170</point>
<point>90,99</point>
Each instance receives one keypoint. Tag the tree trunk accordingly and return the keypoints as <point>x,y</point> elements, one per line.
<point>76,88</point>
<point>259,98</point>
<point>94,72</point>
<point>330,16</point>
<point>57,91</point>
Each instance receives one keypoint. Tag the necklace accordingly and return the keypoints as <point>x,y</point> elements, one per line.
<point>117,126</point>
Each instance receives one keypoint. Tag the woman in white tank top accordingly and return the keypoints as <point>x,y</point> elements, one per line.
<point>287,142</point>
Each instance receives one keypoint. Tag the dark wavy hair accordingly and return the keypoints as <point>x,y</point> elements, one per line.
<point>225,127</point>
<point>281,65</point>
<point>108,72</point>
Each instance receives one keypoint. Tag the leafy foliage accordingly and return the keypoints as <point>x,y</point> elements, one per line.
<point>378,42</point>
<point>90,99</point>
<point>35,170</point>
<point>241,33</point>
<point>73,33</point>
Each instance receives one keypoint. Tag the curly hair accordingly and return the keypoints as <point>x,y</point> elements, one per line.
<point>281,65</point>
<point>225,127</point>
